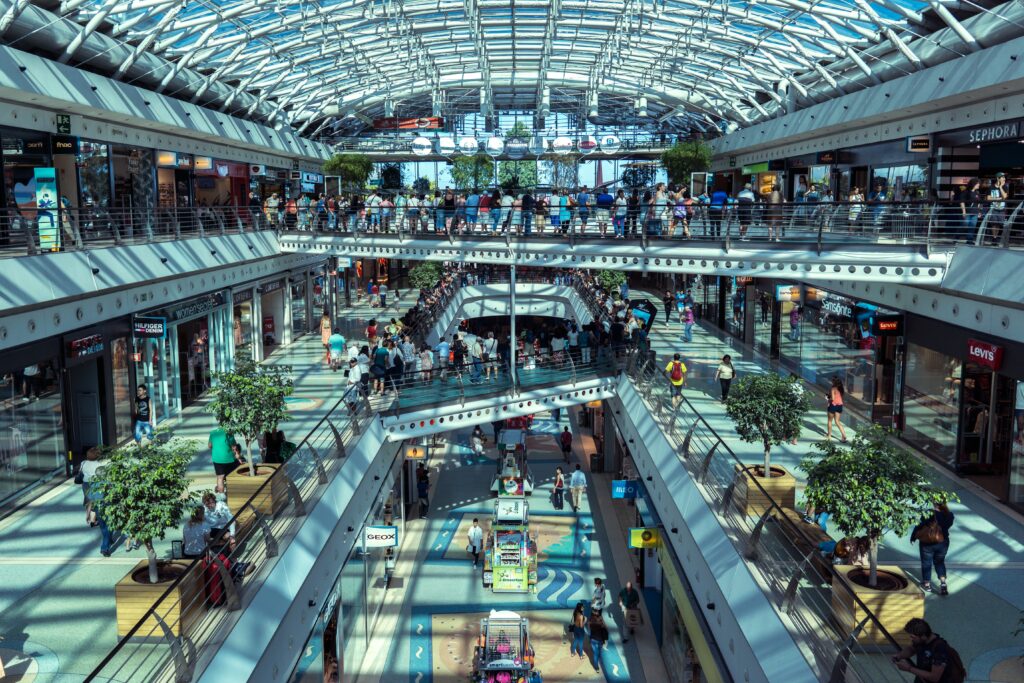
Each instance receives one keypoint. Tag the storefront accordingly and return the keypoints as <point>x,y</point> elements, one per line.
<point>173,179</point>
<point>220,183</point>
<point>763,177</point>
<point>134,180</point>
<point>32,439</point>
<point>341,633</point>
<point>981,152</point>
<point>244,332</point>
<point>179,366</point>
<point>266,181</point>
<point>964,404</point>
<point>299,291</point>
<point>23,152</point>
<point>273,305</point>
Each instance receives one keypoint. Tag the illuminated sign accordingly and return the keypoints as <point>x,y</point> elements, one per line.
<point>203,163</point>
<point>625,488</point>
<point>889,325</point>
<point>86,346</point>
<point>984,353</point>
<point>380,536</point>
<point>415,452</point>
<point>149,328</point>
<point>64,144</point>
<point>643,537</point>
<point>422,123</point>
<point>167,159</point>
<point>919,143</point>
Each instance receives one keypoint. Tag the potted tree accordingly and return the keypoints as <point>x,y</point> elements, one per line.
<point>767,410</point>
<point>141,492</point>
<point>247,402</point>
<point>870,488</point>
<point>683,159</point>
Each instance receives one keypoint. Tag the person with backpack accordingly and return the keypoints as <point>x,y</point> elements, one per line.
<point>676,370</point>
<point>933,536</point>
<point>935,661</point>
<point>565,441</point>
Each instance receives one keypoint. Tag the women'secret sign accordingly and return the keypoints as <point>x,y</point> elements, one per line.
<point>984,353</point>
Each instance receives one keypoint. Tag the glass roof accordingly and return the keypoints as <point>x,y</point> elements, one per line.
<point>681,64</point>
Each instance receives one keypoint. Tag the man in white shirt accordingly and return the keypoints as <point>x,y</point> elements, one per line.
<point>574,343</point>
<point>578,485</point>
<point>383,290</point>
<point>476,540</point>
<point>490,357</point>
<point>354,377</point>
<point>217,517</point>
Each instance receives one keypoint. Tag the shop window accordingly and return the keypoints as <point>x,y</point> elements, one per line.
<point>931,403</point>
<point>902,183</point>
<point>1016,493</point>
<point>123,393</point>
<point>94,174</point>
<point>299,321</point>
<point>31,426</point>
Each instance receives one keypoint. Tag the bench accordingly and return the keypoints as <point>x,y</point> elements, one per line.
<point>807,537</point>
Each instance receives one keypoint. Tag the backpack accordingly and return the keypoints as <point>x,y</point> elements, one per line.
<point>955,672</point>
<point>677,371</point>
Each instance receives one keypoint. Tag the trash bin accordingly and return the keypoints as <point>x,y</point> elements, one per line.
<point>596,462</point>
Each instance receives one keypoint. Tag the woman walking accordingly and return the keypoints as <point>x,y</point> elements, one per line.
<point>933,535</point>
<point>325,336</point>
<point>725,374</point>
<point>558,494</point>
<point>598,637</point>
<point>579,632</point>
<point>835,409</point>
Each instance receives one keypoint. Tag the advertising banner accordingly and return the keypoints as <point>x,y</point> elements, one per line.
<point>643,537</point>
<point>380,536</point>
<point>46,205</point>
<point>511,486</point>
<point>625,488</point>
<point>421,123</point>
<point>644,311</point>
<point>510,580</point>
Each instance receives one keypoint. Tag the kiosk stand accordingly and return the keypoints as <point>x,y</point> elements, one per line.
<point>503,653</point>
<point>510,552</point>
<point>513,475</point>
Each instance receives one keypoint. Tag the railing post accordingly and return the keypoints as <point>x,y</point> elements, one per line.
<point>843,657</point>
<point>268,535</point>
<point>230,589</point>
<point>788,599</point>
<point>685,449</point>
<point>755,535</point>
<point>980,237</point>
<point>293,491</point>
<point>31,230</point>
<point>705,467</point>
<point>321,473</point>
<point>182,671</point>
<point>339,443</point>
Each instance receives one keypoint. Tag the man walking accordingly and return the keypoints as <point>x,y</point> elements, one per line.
<point>382,291</point>
<point>565,440</point>
<point>578,484</point>
<point>629,601</point>
<point>676,370</point>
<point>476,540</point>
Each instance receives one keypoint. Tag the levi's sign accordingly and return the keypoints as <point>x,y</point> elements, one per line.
<point>984,353</point>
<point>380,536</point>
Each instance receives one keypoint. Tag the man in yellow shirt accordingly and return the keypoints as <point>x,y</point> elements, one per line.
<point>676,370</point>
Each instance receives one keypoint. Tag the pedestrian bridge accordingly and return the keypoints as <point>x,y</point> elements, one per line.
<point>804,254</point>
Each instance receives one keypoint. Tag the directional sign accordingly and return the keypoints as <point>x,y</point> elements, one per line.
<point>625,488</point>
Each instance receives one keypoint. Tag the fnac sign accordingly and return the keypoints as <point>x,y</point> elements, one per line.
<point>984,353</point>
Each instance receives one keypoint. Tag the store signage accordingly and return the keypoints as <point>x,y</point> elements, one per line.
<point>268,287</point>
<point>149,328</point>
<point>204,163</point>
<point>1000,131</point>
<point>888,325</point>
<point>643,537</point>
<point>240,296</point>
<point>984,353</point>
<point>777,165</point>
<point>625,488</point>
<point>510,510</point>
<point>166,159</point>
<point>494,145</point>
<point>85,347</point>
<point>184,160</point>
<point>422,146</point>
<point>539,145</point>
<point>193,307</point>
<point>64,124</point>
<point>421,123</point>
<point>415,452</point>
<point>446,146</point>
<point>312,178</point>
<point>344,261</point>
<point>380,536</point>
<point>511,486</point>
<point>919,143</point>
<point>561,145</point>
<point>516,148</point>
<point>64,144</point>
<point>46,208</point>
<point>732,162</point>
<point>610,144</point>
<point>751,169</point>
<point>743,280</point>
<point>825,157</point>
<point>787,293</point>
<point>268,325</point>
<point>510,580</point>
<point>837,307</point>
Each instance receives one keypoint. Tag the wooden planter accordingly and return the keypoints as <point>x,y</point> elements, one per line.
<point>134,595</point>
<point>241,488</point>
<point>752,501</point>
<point>893,608</point>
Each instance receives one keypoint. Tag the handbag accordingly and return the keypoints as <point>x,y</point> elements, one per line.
<point>931,533</point>
<point>80,477</point>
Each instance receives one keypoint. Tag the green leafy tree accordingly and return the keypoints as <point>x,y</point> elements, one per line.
<point>421,185</point>
<point>472,172</point>
<point>564,170</point>
<point>250,400</point>
<point>391,176</point>
<point>353,168</point>
<point>767,409</point>
<point>426,274</point>
<point>143,491</point>
<point>685,158</point>
<point>871,487</point>
<point>518,174</point>
<point>610,280</point>
<point>639,174</point>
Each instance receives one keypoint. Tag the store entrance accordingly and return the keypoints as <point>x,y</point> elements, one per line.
<point>86,396</point>
<point>886,370</point>
<point>193,359</point>
<point>986,418</point>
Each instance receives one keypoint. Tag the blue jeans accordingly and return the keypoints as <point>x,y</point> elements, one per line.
<point>143,429</point>
<point>577,642</point>
<point>794,332</point>
<point>934,554</point>
<point>595,647</point>
<point>106,536</point>
<point>527,222</point>
<point>475,374</point>
<point>688,332</point>
<point>495,219</point>
<point>970,223</point>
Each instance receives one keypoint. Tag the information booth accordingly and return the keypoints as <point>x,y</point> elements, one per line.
<point>510,551</point>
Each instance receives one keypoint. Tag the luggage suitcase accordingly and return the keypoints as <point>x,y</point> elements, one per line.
<point>213,584</point>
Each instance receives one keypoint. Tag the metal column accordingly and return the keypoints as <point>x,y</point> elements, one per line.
<point>512,311</point>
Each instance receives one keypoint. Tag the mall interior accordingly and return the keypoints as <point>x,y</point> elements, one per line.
<point>474,237</point>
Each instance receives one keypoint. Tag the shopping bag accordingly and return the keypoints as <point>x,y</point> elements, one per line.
<point>633,617</point>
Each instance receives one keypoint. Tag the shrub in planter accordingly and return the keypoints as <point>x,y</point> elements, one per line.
<point>767,410</point>
<point>250,400</point>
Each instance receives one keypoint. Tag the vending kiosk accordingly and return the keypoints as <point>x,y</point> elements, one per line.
<point>513,475</point>
<point>510,551</point>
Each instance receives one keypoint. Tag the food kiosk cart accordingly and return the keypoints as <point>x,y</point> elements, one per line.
<point>503,652</point>
<point>510,551</point>
<point>513,475</point>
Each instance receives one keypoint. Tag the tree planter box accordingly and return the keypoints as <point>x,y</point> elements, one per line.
<point>241,487</point>
<point>892,608</point>
<point>750,500</point>
<point>178,610</point>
